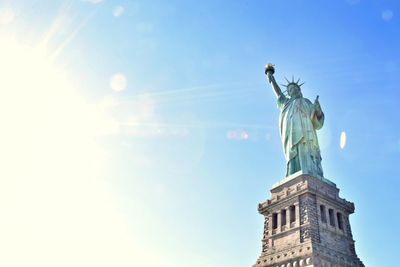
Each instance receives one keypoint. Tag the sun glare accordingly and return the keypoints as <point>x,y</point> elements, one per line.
<point>56,208</point>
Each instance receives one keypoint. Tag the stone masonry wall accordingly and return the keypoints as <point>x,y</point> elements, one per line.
<point>309,240</point>
<point>309,218</point>
<point>265,240</point>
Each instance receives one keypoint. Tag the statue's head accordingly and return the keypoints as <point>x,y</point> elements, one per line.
<point>293,88</point>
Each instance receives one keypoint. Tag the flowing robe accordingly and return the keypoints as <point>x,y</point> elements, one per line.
<point>298,122</point>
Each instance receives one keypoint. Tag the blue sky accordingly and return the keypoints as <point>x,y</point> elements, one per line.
<point>148,126</point>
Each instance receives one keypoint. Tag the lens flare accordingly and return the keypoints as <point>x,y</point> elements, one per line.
<point>118,82</point>
<point>7,16</point>
<point>343,140</point>
<point>118,11</point>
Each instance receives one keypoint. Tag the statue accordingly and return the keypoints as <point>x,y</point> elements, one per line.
<point>298,121</point>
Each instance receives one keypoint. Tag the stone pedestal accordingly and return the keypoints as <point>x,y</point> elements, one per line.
<point>307,224</point>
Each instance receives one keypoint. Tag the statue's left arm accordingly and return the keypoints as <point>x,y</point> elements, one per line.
<point>318,116</point>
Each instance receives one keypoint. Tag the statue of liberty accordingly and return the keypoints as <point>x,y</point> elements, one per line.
<point>298,121</point>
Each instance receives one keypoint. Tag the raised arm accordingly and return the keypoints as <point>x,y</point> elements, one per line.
<point>269,71</point>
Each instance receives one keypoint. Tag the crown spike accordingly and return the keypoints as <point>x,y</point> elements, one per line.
<point>301,84</point>
<point>292,78</point>
<point>298,80</point>
<point>287,80</point>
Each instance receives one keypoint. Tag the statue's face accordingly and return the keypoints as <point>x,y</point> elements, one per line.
<point>294,90</point>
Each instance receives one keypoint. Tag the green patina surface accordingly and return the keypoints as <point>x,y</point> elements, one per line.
<point>298,121</point>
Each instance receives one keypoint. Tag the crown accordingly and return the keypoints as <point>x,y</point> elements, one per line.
<point>292,82</point>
